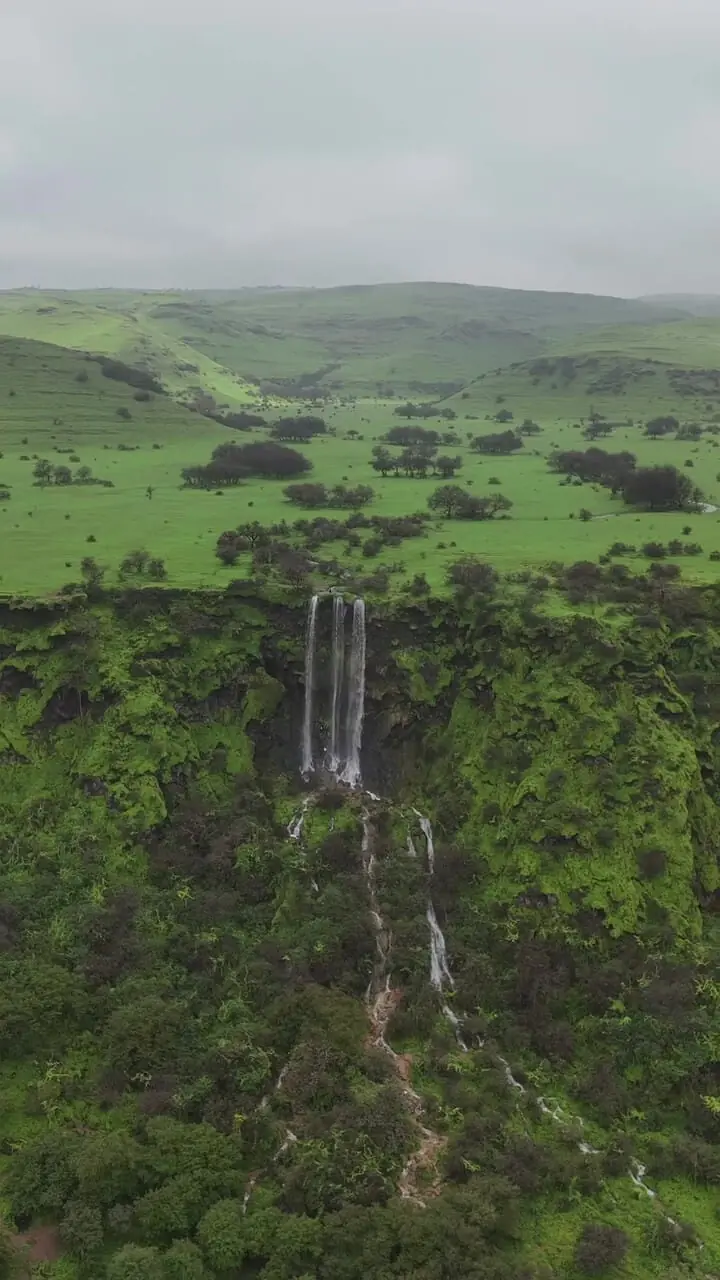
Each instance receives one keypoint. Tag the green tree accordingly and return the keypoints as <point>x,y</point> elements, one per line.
<point>225,1235</point>
<point>81,1229</point>
<point>136,1262</point>
<point>110,1167</point>
<point>184,1261</point>
<point>92,572</point>
<point>383,460</point>
<point>43,471</point>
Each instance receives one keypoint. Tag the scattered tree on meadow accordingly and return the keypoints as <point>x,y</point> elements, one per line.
<point>298,428</point>
<point>594,465</point>
<point>456,503</point>
<point>384,460</point>
<point>504,415</point>
<point>43,471</point>
<point>318,495</point>
<point>231,463</point>
<point>501,442</point>
<point>446,466</point>
<point>142,564</point>
<point>661,426</point>
<point>413,436</point>
<point>660,489</point>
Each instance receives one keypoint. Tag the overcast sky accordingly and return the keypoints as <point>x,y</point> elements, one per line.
<point>542,144</point>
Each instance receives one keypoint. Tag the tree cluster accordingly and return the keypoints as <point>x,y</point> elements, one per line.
<point>651,488</point>
<point>661,426</point>
<point>338,496</point>
<point>241,420</point>
<point>415,461</point>
<point>500,442</point>
<point>410,410</point>
<point>455,503</point>
<point>132,377</point>
<point>298,428</point>
<point>230,464</point>
<point>46,473</point>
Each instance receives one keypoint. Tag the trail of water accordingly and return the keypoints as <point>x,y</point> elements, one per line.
<point>440,975</point>
<point>439,971</point>
<point>426,828</point>
<point>381,1000</point>
<point>351,773</point>
<point>296,824</point>
<point>338,668</point>
<point>310,641</point>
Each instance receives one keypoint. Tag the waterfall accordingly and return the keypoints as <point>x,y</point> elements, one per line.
<point>356,698</point>
<point>439,971</point>
<point>440,975</point>
<point>427,831</point>
<point>338,667</point>
<point>307,751</point>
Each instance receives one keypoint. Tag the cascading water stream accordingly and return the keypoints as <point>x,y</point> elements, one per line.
<point>310,641</point>
<point>351,774</point>
<point>338,670</point>
<point>440,975</point>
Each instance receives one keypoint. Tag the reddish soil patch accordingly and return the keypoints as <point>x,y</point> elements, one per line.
<point>41,1244</point>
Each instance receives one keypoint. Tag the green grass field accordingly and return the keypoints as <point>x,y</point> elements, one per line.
<point>53,399</point>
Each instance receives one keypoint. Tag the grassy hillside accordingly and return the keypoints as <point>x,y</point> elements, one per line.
<point>421,338</point>
<point>116,324</point>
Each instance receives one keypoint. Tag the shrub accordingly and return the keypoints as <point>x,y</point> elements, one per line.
<point>142,397</point>
<point>600,1247</point>
<point>82,376</point>
<point>124,413</point>
<point>472,575</point>
<point>372,547</point>
<point>652,863</point>
<point>654,550</point>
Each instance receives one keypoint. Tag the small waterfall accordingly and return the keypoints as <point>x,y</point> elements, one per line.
<point>307,750</point>
<point>439,971</point>
<point>427,831</point>
<point>338,669</point>
<point>440,975</point>
<point>356,698</point>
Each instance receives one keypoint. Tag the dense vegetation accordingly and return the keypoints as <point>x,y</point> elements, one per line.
<point>183,1013</point>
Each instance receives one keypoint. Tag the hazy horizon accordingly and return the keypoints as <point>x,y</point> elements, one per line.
<point>541,144</point>
<point>347,284</point>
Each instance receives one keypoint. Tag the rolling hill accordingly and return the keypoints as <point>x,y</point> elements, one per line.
<point>421,339</point>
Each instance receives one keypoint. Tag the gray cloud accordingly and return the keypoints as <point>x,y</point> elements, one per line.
<point>534,143</point>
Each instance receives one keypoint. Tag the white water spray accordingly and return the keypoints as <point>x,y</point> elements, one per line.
<point>427,831</point>
<point>307,750</point>
<point>440,975</point>
<point>351,773</point>
<point>338,669</point>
